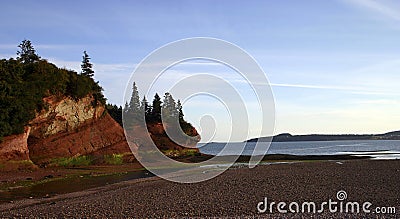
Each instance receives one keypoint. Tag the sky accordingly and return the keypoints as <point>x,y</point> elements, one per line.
<point>333,66</point>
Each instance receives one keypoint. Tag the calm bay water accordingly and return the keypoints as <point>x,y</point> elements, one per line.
<point>381,149</point>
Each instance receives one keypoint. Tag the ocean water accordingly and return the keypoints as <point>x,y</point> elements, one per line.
<point>382,149</point>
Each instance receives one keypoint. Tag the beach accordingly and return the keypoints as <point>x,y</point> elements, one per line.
<point>235,193</point>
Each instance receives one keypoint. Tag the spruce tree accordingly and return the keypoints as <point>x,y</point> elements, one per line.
<point>169,107</point>
<point>27,54</point>
<point>86,66</point>
<point>126,107</point>
<point>144,107</point>
<point>180,111</point>
<point>134,103</point>
<point>156,110</point>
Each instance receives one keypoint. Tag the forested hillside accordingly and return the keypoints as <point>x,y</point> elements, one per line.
<point>26,80</point>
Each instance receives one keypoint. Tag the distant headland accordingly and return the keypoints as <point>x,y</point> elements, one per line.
<point>285,137</point>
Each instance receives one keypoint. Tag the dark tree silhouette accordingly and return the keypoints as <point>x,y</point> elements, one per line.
<point>156,110</point>
<point>27,54</point>
<point>180,111</point>
<point>115,112</point>
<point>87,66</point>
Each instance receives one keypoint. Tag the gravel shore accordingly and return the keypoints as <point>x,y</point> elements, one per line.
<point>235,193</point>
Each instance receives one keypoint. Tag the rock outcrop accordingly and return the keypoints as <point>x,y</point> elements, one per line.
<point>64,114</point>
<point>70,128</point>
<point>15,147</point>
<point>160,138</point>
<point>66,128</point>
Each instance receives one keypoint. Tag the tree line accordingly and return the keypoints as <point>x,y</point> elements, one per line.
<point>26,80</point>
<point>167,110</point>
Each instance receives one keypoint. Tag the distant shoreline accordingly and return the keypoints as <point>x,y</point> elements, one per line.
<point>286,137</point>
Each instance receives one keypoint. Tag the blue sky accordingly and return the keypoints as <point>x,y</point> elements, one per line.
<point>334,65</point>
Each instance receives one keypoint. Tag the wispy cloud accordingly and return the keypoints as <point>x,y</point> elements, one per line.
<point>58,46</point>
<point>312,86</point>
<point>352,89</point>
<point>385,8</point>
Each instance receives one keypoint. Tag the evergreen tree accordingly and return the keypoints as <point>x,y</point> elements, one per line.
<point>144,107</point>
<point>86,66</point>
<point>126,108</point>
<point>180,111</point>
<point>26,81</point>
<point>148,111</point>
<point>27,54</point>
<point>115,112</point>
<point>134,103</point>
<point>156,110</point>
<point>169,107</point>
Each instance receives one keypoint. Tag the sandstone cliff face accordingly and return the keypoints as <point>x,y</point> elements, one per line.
<point>67,128</point>
<point>163,142</point>
<point>15,147</point>
<point>102,134</point>
<point>64,115</point>
<point>71,128</point>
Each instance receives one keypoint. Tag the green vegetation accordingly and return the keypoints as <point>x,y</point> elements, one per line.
<point>27,53</point>
<point>181,153</point>
<point>25,81</point>
<point>191,152</point>
<point>114,159</point>
<point>115,112</point>
<point>73,161</point>
<point>87,67</point>
<point>168,111</point>
<point>87,160</point>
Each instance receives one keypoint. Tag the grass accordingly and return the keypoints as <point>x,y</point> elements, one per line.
<point>114,159</point>
<point>85,160</point>
<point>181,153</point>
<point>73,161</point>
<point>172,153</point>
<point>190,152</point>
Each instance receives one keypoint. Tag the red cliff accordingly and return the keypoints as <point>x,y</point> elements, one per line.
<point>15,147</point>
<point>67,128</point>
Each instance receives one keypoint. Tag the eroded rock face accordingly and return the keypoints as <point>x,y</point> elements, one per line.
<point>15,147</point>
<point>64,115</point>
<point>71,128</point>
<point>66,128</point>
<point>163,142</point>
<point>102,135</point>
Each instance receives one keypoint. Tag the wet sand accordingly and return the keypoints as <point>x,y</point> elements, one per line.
<point>235,193</point>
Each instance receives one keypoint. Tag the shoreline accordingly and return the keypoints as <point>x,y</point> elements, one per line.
<point>234,193</point>
<point>50,182</point>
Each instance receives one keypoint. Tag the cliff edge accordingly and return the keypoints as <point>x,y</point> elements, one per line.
<point>66,128</point>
